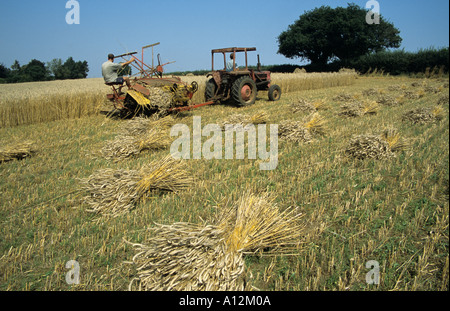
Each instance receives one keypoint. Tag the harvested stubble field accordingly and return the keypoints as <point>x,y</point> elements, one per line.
<point>393,210</point>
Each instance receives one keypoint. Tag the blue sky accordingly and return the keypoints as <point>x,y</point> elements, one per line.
<point>187,30</point>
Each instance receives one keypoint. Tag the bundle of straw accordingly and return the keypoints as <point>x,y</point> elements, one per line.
<point>165,175</point>
<point>126,146</point>
<point>344,97</point>
<point>254,224</point>
<point>395,141</point>
<point>377,147</point>
<point>159,97</point>
<point>352,109</point>
<point>112,193</point>
<point>388,100</point>
<point>303,105</point>
<point>368,147</point>
<point>235,119</point>
<point>370,107</point>
<point>186,256</point>
<point>370,92</point>
<point>17,151</point>
<point>138,135</point>
<point>357,109</point>
<point>294,131</point>
<point>411,94</point>
<point>424,115</point>
<point>316,124</point>
<point>258,118</point>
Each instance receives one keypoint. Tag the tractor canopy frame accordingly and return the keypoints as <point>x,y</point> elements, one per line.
<point>232,50</point>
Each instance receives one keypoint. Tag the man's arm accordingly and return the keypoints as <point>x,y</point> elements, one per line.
<point>128,62</point>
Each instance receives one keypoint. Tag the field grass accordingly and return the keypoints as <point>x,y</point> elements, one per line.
<point>394,211</point>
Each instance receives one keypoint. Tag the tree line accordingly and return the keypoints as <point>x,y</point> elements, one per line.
<point>36,70</point>
<point>333,38</point>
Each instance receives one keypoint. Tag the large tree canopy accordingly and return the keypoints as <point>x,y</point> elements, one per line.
<point>324,34</point>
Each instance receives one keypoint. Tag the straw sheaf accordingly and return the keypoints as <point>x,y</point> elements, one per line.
<point>112,193</point>
<point>303,106</point>
<point>316,124</point>
<point>186,256</point>
<point>411,95</point>
<point>368,147</point>
<point>344,97</point>
<point>254,224</point>
<point>424,115</point>
<point>394,139</point>
<point>123,147</point>
<point>159,97</point>
<point>388,100</point>
<point>377,147</point>
<point>236,119</point>
<point>294,131</point>
<point>165,175</point>
<point>138,135</point>
<point>17,151</point>
<point>357,109</point>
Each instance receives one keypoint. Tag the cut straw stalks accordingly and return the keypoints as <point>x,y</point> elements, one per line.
<point>17,151</point>
<point>302,131</point>
<point>376,147</point>
<point>303,105</point>
<point>123,147</point>
<point>424,115</point>
<point>254,224</point>
<point>236,119</point>
<point>357,109</point>
<point>192,257</point>
<point>140,125</point>
<point>112,193</point>
<point>138,135</point>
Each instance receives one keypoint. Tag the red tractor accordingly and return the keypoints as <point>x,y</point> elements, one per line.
<point>238,85</point>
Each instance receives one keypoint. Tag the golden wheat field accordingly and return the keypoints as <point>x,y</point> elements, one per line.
<point>358,200</point>
<point>27,103</point>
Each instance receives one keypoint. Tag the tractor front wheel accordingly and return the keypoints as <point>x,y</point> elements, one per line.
<point>244,91</point>
<point>274,92</point>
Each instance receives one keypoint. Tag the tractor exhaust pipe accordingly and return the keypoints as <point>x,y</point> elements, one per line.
<point>259,64</point>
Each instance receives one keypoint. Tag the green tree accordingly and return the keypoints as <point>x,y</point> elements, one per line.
<point>4,71</point>
<point>325,34</point>
<point>35,70</point>
<point>54,67</point>
<point>73,70</point>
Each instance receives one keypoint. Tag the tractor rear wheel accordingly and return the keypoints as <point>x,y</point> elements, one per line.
<point>274,92</point>
<point>210,89</point>
<point>244,91</point>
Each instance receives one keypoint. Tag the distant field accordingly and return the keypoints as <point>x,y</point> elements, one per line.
<point>393,211</point>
